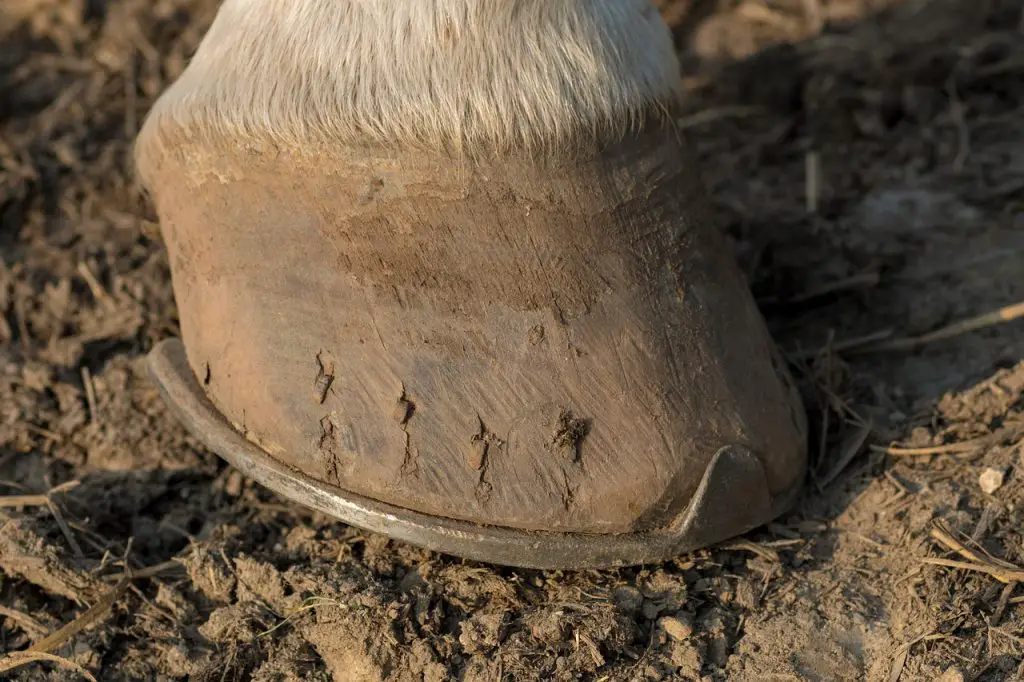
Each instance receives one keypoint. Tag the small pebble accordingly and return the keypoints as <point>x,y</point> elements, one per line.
<point>991,480</point>
<point>233,484</point>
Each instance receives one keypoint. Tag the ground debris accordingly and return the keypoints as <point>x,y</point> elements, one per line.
<point>867,168</point>
<point>991,480</point>
<point>27,554</point>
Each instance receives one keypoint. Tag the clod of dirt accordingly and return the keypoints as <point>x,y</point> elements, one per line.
<point>172,599</point>
<point>688,657</point>
<point>482,669</point>
<point>629,599</point>
<point>991,480</point>
<point>799,645</point>
<point>179,661</point>
<point>27,554</point>
<point>678,627</point>
<point>241,621</point>
<point>663,593</point>
<point>716,624</point>
<point>483,633</point>
<point>210,574</point>
<point>952,674</point>
<point>258,580</point>
<point>293,660</point>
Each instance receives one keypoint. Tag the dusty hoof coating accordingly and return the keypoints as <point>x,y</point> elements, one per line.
<point>550,364</point>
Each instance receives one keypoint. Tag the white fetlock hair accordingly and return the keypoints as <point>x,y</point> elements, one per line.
<point>462,76</point>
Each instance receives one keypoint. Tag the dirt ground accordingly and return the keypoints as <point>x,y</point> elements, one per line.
<point>868,161</point>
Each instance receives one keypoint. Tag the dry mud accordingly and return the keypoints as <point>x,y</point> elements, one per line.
<point>868,162</point>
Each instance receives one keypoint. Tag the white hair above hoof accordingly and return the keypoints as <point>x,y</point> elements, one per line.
<point>462,76</point>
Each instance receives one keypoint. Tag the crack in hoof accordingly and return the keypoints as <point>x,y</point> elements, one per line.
<point>402,412</point>
<point>410,457</point>
<point>478,457</point>
<point>324,378</point>
<point>568,491</point>
<point>326,446</point>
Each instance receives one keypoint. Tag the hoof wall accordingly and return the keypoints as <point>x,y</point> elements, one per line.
<point>732,497</point>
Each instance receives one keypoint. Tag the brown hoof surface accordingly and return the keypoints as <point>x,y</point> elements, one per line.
<point>539,361</point>
<point>731,498</point>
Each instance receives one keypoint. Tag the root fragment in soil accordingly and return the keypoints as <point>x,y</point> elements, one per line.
<point>38,500</point>
<point>1005,434</point>
<point>995,317</point>
<point>17,659</point>
<point>100,610</point>
<point>1002,571</point>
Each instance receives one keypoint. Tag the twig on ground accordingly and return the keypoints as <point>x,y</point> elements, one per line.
<point>988,515</point>
<point>46,499</point>
<point>790,542</point>
<point>882,341</point>
<point>98,292</point>
<point>846,345</point>
<point>1000,574</point>
<point>750,546</point>
<point>1002,571</point>
<point>967,446</point>
<point>1000,316</point>
<point>901,490</point>
<point>30,625</point>
<point>944,537</point>
<point>939,530</point>
<point>1004,599</point>
<point>37,500</point>
<point>95,613</point>
<point>8,501</point>
<point>40,650</point>
<point>149,571</point>
<point>62,524</point>
<point>90,395</point>
<point>16,659</point>
<point>46,433</point>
